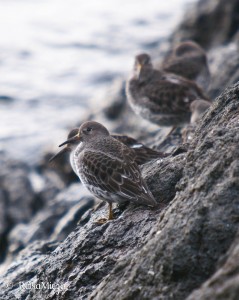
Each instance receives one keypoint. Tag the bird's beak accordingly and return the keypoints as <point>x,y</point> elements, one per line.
<point>71,140</point>
<point>64,150</point>
<point>67,148</point>
<point>139,68</point>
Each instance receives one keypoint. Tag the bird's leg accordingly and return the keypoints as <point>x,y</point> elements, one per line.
<point>110,217</point>
<point>110,212</point>
<point>167,135</point>
<point>171,131</point>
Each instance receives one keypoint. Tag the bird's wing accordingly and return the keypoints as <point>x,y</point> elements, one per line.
<point>143,154</point>
<point>172,91</point>
<point>120,177</point>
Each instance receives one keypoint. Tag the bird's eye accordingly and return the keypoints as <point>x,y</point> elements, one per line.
<point>87,130</point>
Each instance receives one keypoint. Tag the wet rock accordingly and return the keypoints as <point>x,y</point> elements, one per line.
<point>116,100</point>
<point>60,166</point>
<point>187,248</point>
<point>224,284</point>
<point>25,267</point>
<point>199,23</point>
<point>162,176</point>
<point>54,221</point>
<point>88,254</point>
<point>198,227</point>
<point>17,198</point>
<point>17,189</point>
<point>143,253</point>
<point>23,193</point>
<point>224,65</point>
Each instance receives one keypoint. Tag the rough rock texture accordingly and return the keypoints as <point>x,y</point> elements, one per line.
<point>150,254</point>
<point>209,23</point>
<point>18,201</point>
<point>224,283</point>
<point>224,67</point>
<point>187,248</point>
<point>184,246</point>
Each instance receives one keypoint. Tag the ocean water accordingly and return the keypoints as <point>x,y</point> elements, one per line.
<point>58,58</point>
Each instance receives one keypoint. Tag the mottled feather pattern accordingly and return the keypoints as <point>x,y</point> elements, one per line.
<point>143,154</point>
<point>115,174</point>
<point>162,98</point>
<point>188,60</point>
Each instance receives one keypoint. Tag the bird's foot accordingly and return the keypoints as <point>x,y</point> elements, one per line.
<point>102,221</point>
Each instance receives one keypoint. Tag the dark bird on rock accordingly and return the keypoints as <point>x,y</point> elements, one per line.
<point>188,60</point>
<point>106,166</point>
<point>143,154</point>
<point>160,97</point>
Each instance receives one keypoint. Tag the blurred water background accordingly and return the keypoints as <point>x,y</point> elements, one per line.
<point>58,58</point>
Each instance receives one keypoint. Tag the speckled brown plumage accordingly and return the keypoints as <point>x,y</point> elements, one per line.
<point>160,97</point>
<point>107,167</point>
<point>143,154</point>
<point>188,60</point>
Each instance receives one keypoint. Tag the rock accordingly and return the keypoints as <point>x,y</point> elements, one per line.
<point>163,175</point>
<point>17,198</point>
<point>25,267</point>
<point>116,100</point>
<point>224,284</point>
<point>199,23</point>
<point>54,222</point>
<point>196,230</point>
<point>30,209</point>
<point>144,253</point>
<point>224,65</point>
<point>60,166</point>
<point>187,248</point>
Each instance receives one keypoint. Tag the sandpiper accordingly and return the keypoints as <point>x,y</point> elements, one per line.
<point>160,97</point>
<point>188,60</point>
<point>106,166</point>
<point>143,154</point>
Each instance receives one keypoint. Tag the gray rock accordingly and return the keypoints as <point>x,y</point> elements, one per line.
<point>195,231</point>
<point>53,222</point>
<point>224,66</point>
<point>145,253</point>
<point>117,100</point>
<point>187,248</point>
<point>199,23</point>
<point>162,176</point>
<point>18,201</point>
<point>224,284</point>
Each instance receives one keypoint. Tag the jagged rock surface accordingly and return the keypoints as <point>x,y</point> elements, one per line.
<point>185,249</point>
<point>151,254</point>
<point>198,227</point>
<point>209,23</point>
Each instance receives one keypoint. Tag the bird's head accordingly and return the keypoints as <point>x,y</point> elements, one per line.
<point>142,63</point>
<point>69,146</point>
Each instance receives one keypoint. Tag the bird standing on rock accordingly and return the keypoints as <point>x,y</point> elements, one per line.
<point>188,60</point>
<point>160,97</point>
<point>106,166</point>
